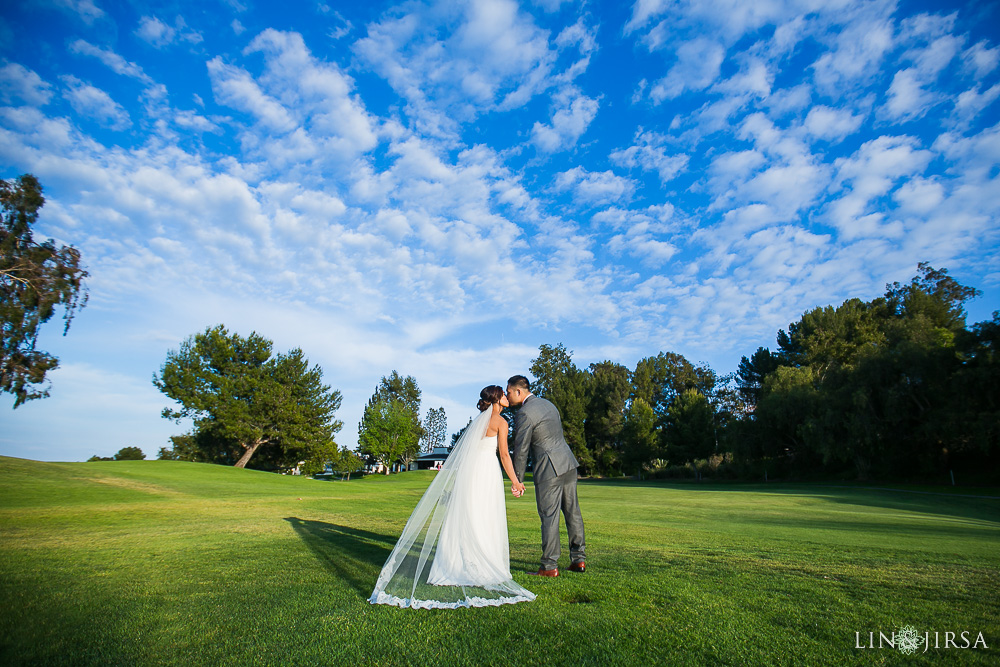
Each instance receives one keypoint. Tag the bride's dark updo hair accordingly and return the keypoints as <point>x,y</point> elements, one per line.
<point>488,396</point>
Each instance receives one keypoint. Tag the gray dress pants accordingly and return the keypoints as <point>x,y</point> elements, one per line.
<point>551,496</point>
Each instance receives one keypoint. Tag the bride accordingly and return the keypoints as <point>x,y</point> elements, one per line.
<point>454,550</point>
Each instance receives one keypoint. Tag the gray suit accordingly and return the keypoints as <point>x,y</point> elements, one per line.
<point>538,430</point>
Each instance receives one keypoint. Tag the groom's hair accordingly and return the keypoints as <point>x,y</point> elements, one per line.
<point>519,382</point>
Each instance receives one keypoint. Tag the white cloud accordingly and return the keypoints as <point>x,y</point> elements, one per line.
<point>980,59</point>
<point>912,94</point>
<point>933,58</point>
<point>306,111</point>
<point>578,35</point>
<point>754,79</point>
<point>907,97</point>
<point>919,196</point>
<point>781,172</point>
<point>552,5</point>
<point>594,187</point>
<point>830,124</point>
<point>728,19</point>
<point>113,61</point>
<point>784,252</point>
<point>645,235</point>
<point>17,82</point>
<point>650,153</point>
<point>871,173</point>
<point>158,34</point>
<point>191,121</point>
<point>95,104</point>
<point>697,67</point>
<point>969,104</point>
<point>661,218</point>
<point>155,32</point>
<point>86,10</point>
<point>643,11</point>
<point>858,50</point>
<point>569,122</point>
<point>452,63</point>
<point>733,167</point>
<point>316,89</point>
<point>236,88</point>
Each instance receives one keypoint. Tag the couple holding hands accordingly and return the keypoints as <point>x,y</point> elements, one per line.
<point>454,550</point>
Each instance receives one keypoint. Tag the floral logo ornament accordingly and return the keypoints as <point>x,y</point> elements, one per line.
<point>908,640</point>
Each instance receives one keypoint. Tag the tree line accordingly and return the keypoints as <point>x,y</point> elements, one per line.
<point>252,407</point>
<point>896,388</point>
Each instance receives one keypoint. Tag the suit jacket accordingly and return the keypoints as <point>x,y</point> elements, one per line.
<point>538,430</point>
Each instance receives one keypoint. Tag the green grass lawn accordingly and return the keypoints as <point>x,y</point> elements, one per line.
<point>164,562</point>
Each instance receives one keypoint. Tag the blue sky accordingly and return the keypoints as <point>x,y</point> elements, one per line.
<point>439,188</point>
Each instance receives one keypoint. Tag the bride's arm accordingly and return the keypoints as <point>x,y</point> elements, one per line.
<point>508,466</point>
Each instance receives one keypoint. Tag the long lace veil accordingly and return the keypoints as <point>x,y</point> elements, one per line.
<point>403,580</point>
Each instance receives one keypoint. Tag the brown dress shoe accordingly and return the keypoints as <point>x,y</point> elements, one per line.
<point>554,572</point>
<point>578,567</point>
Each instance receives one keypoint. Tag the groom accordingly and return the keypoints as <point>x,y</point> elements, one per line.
<point>538,428</point>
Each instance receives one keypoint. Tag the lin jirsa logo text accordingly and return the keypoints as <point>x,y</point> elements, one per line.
<point>909,640</point>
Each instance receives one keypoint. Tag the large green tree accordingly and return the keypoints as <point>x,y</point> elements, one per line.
<point>659,380</point>
<point>35,279</point>
<point>240,394</point>
<point>390,428</point>
<point>388,433</point>
<point>551,364</point>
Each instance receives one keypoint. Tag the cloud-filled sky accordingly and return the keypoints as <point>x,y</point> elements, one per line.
<point>439,188</point>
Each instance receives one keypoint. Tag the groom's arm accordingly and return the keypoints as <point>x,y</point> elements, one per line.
<point>522,442</point>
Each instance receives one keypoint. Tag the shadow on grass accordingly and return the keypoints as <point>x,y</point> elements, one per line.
<point>351,554</point>
<point>356,556</point>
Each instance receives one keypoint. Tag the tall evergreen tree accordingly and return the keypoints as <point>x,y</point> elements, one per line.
<point>435,429</point>
<point>751,373</point>
<point>609,394</point>
<point>570,394</point>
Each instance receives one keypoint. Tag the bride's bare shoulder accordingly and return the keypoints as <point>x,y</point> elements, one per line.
<point>496,423</point>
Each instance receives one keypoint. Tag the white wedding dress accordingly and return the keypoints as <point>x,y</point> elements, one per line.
<point>454,550</point>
